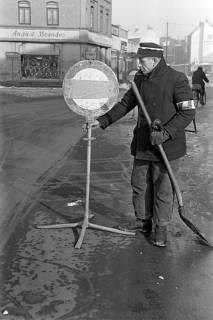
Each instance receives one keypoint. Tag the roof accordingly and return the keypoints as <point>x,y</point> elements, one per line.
<point>144,35</point>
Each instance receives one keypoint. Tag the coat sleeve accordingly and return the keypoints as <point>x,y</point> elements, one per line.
<point>184,103</point>
<point>120,109</point>
<point>205,77</point>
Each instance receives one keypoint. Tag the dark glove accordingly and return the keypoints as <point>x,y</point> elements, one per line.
<point>158,134</point>
<point>156,125</point>
<point>158,137</point>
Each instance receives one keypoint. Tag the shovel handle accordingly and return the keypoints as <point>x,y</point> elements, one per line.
<point>162,152</point>
<point>171,175</point>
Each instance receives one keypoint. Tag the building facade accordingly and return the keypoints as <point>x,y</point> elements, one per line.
<point>201,46</point>
<point>176,53</point>
<point>119,52</point>
<point>41,39</point>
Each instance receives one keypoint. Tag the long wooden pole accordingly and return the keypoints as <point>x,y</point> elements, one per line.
<point>86,217</point>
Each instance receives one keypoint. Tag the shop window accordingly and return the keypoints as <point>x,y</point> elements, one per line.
<point>24,12</point>
<point>52,13</point>
<point>39,67</point>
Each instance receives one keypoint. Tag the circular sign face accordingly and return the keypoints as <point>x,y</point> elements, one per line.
<point>90,88</point>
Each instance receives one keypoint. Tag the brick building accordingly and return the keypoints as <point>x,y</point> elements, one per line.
<point>41,39</point>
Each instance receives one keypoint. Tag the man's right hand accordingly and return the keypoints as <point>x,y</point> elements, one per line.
<point>95,124</point>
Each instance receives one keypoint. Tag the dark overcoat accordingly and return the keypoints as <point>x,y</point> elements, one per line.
<point>161,93</point>
<point>198,76</point>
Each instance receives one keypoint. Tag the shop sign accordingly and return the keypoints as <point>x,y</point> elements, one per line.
<point>27,34</point>
<point>38,34</point>
<point>100,39</point>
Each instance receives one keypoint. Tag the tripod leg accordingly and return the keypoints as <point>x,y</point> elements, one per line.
<point>81,238</point>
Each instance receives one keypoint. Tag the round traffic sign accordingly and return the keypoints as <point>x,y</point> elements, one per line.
<point>90,88</point>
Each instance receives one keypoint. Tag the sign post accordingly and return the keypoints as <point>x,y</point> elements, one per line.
<point>90,88</point>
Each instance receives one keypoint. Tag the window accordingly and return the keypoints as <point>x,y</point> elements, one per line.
<point>39,67</point>
<point>92,17</point>
<point>24,14</point>
<point>52,13</point>
<point>107,23</point>
<point>101,20</point>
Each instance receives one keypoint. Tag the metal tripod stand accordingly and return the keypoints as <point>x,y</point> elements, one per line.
<point>86,223</point>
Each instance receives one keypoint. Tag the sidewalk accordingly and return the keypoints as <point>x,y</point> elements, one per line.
<point>31,92</point>
<point>35,92</point>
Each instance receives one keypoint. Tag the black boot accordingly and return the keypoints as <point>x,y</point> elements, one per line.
<point>144,225</point>
<point>130,226</point>
<point>160,236</point>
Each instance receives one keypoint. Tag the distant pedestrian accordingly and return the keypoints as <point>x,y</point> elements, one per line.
<point>168,97</point>
<point>198,78</point>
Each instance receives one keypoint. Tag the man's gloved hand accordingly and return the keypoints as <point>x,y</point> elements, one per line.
<point>158,137</point>
<point>159,134</point>
<point>95,124</point>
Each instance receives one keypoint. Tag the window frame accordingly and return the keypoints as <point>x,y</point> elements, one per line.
<point>92,17</point>
<point>107,24</point>
<point>102,20</point>
<point>52,10</point>
<point>25,7</point>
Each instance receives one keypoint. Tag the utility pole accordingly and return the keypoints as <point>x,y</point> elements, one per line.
<point>167,34</point>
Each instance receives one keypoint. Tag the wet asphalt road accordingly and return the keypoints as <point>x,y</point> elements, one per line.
<point>36,132</point>
<point>43,277</point>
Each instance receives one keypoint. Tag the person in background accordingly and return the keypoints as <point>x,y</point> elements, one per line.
<point>167,97</point>
<point>198,78</point>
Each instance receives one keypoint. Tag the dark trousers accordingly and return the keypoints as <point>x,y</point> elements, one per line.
<point>153,194</point>
<point>202,92</point>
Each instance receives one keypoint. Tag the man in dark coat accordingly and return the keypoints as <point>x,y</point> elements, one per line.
<point>167,97</point>
<point>198,78</point>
